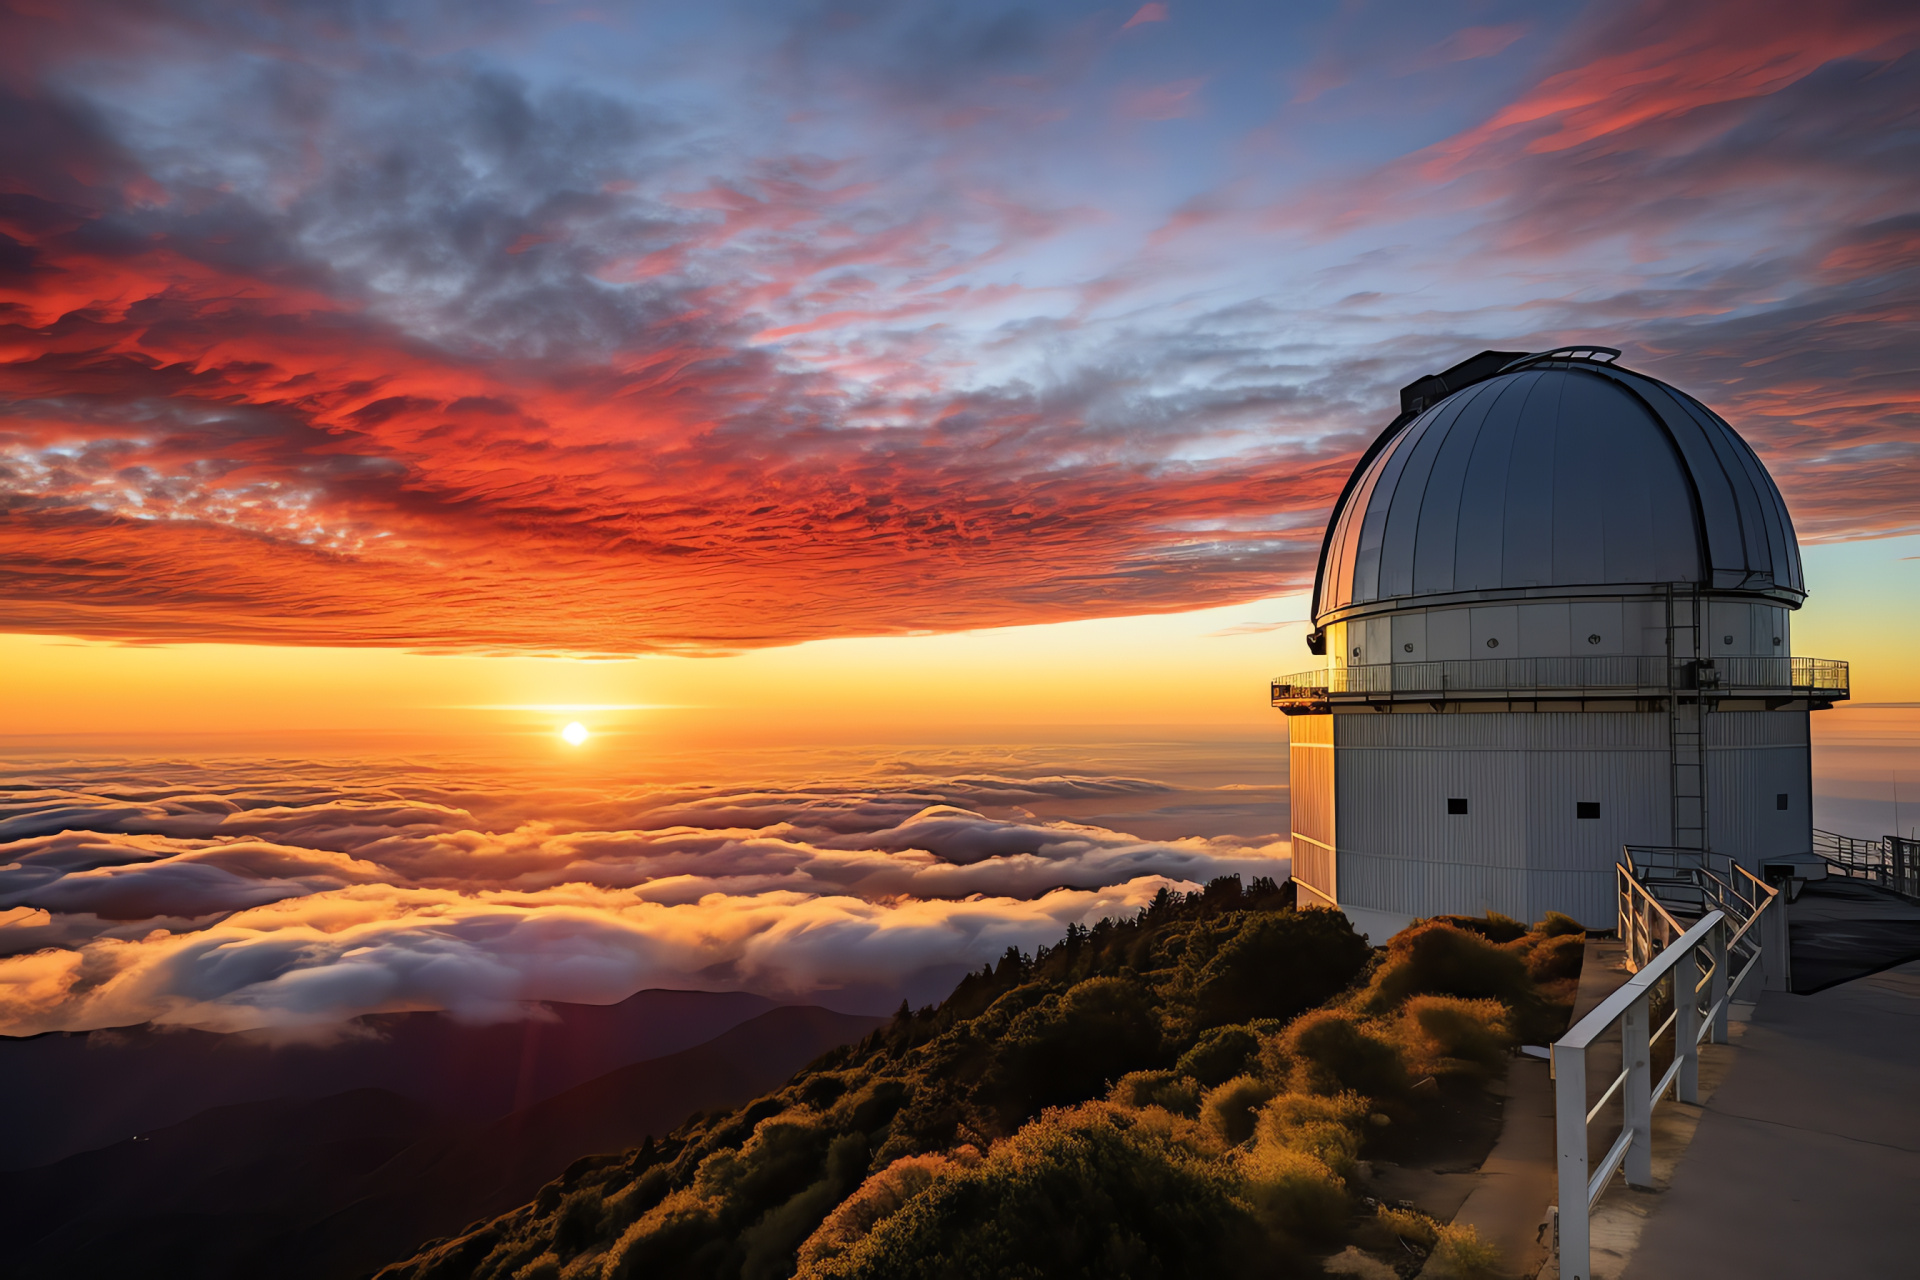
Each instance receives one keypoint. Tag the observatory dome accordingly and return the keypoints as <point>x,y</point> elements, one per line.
<point>1511,473</point>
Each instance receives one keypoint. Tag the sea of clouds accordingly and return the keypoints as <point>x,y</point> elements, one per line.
<point>246,896</point>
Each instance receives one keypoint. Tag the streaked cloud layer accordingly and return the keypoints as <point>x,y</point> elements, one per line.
<point>498,327</point>
<point>263,895</point>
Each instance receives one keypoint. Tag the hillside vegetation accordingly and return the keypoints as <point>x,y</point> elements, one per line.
<point>1186,1093</point>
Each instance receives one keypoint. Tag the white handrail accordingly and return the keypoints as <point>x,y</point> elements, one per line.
<point>1688,965</point>
<point>1631,1006</point>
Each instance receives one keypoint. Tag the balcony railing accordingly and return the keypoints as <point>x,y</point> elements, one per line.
<point>1816,678</point>
<point>1891,861</point>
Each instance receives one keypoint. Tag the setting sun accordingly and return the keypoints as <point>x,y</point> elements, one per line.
<point>575,733</point>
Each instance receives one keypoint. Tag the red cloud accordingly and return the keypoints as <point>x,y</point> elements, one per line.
<point>1146,13</point>
<point>474,367</point>
<point>1677,62</point>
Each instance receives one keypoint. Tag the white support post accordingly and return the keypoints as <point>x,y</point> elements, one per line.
<point>1686,1027</point>
<point>1570,1137</point>
<point>1636,1091</point>
<point>1717,990</point>
<point>1773,946</point>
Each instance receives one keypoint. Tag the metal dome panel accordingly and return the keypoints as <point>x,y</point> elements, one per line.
<point>1563,472</point>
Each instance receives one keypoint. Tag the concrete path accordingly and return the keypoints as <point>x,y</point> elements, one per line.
<point>1845,929</point>
<point>1510,1193</point>
<point>1806,1157</point>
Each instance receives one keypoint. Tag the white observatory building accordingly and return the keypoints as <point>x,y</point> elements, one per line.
<point>1554,603</point>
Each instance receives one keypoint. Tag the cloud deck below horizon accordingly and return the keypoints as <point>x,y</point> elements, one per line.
<point>235,897</point>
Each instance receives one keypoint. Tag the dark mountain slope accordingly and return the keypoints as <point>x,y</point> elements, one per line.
<point>331,1187</point>
<point>73,1092</point>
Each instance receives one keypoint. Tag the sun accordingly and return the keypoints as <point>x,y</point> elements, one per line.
<point>575,733</point>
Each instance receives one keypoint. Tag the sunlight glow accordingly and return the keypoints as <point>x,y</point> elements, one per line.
<point>575,733</point>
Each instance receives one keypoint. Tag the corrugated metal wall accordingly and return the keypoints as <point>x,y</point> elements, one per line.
<point>1753,758</point>
<point>1310,798</point>
<point>1521,848</point>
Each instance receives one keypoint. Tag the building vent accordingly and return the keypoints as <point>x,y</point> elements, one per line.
<point>1456,806</point>
<point>1780,801</point>
<point>1586,809</point>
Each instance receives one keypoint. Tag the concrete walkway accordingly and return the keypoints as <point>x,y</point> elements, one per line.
<point>1845,929</point>
<point>1806,1157</point>
<point>1509,1195</point>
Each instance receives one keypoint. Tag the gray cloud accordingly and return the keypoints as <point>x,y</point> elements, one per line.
<point>220,898</point>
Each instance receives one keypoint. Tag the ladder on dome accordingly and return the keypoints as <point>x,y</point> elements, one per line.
<point>1685,675</point>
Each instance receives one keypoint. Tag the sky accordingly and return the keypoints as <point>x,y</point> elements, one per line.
<point>383,383</point>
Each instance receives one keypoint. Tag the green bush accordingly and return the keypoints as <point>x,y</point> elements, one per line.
<point>878,1198</point>
<point>1556,959</point>
<point>1435,958</point>
<point>1326,1128</point>
<point>544,1267</point>
<point>1329,1052</point>
<point>1443,1035</point>
<point>1493,926</point>
<point>1294,1194</point>
<point>1168,1089</point>
<point>1228,1109</point>
<point>1086,1191</point>
<point>1557,926</point>
<point>1409,1224</point>
<point>1460,1254</point>
<point>1069,1048</point>
<point>1276,965</point>
<point>1221,1054</point>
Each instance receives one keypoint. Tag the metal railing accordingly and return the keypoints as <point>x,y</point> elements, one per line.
<point>1659,886</point>
<point>1803,677</point>
<point>1690,977</point>
<point>1646,926</point>
<point>1892,862</point>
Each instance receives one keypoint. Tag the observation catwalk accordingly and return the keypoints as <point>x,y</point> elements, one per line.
<point>1806,1157</point>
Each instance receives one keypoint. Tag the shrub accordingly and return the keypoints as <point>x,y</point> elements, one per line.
<point>1294,1194</point>
<point>879,1198</point>
<point>544,1267</point>
<point>1558,926</point>
<point>1460,1254</point>
<point>1328,1052</point>
<point>1409,1224</point>
<point>1086,1191</point>
<point>1434,958</point>
<point>1166,1089</point>
<point>1067,1048</point>
<point>1447,1035</point>
<point>1228,1110</point>
<point>1220,1055</point>
<point>1277,965</point>
<point>1326,1128</point>
<point>1493,926</point>
<point>1556,959</point>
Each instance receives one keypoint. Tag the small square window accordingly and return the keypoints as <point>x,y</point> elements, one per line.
<point>1780,801</point>
<point>1586,809</point>
<point>1456,806</point>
